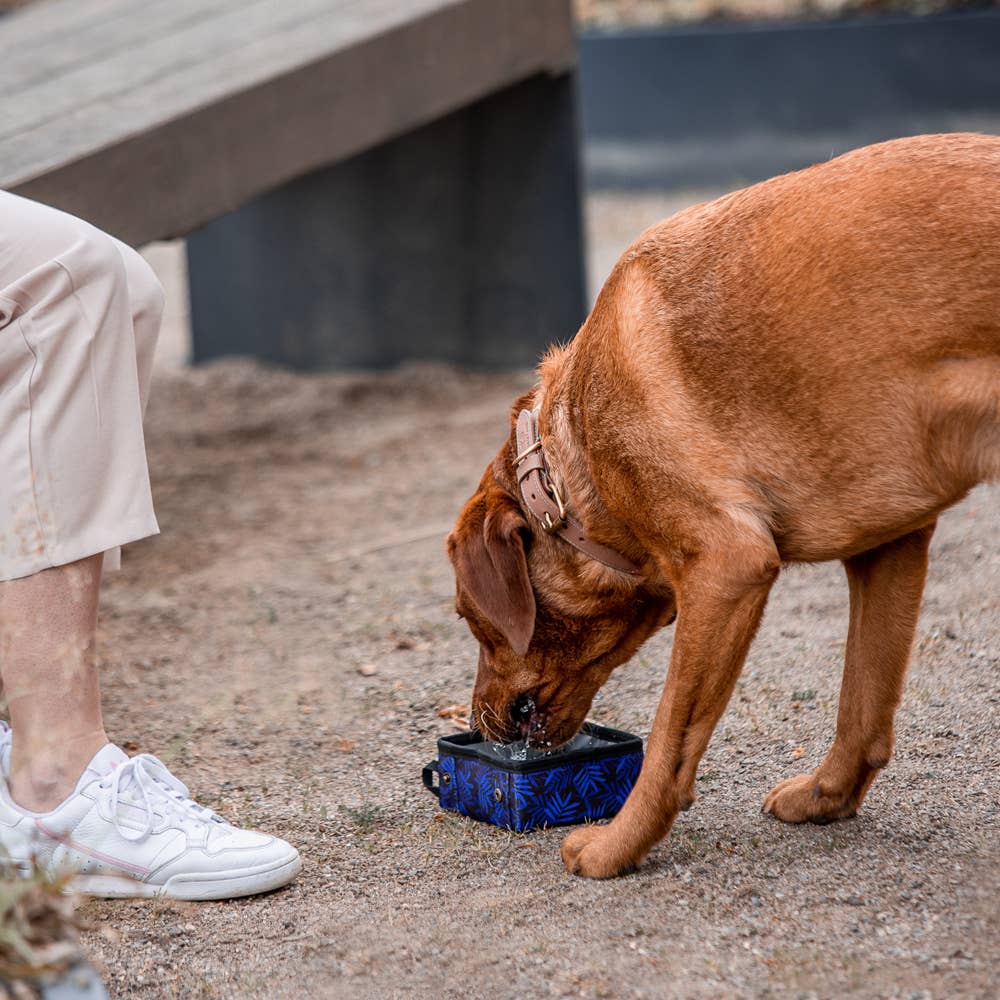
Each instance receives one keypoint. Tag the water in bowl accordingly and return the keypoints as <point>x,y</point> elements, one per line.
<point>521,752</point>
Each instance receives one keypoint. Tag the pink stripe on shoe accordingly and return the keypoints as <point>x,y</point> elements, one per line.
<point>97,855</point>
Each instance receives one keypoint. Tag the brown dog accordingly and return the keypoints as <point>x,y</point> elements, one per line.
<point>808,369</point>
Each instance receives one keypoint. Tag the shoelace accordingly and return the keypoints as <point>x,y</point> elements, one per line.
<point>5,744</point>
<point>156,786</point>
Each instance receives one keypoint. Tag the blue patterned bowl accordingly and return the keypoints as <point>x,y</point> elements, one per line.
<point>590,779</point>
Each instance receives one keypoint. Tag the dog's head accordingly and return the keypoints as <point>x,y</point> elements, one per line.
<point>551,624</point>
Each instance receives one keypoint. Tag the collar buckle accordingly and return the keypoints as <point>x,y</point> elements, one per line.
<point>531,449</point>
<point>554,525</point>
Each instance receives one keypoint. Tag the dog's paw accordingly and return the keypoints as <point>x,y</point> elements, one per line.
<point>800,800</point>
<point>590,852</point>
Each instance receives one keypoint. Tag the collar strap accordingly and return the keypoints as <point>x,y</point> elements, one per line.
<point>542,497</point>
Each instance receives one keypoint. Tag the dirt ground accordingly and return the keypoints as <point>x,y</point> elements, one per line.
<point>302,538</point>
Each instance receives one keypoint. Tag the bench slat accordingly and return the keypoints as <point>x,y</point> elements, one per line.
<point>57,19</point>
<point>205,133</point>
<point>49,54</point>
<point>202,33</point>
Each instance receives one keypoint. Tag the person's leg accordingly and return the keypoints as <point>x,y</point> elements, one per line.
<point>79,313</point>
<point>47,624</point>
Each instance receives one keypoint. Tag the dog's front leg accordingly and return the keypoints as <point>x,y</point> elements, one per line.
<point>720,601</point>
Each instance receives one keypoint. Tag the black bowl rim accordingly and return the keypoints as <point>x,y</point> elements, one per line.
<point>466,745</point>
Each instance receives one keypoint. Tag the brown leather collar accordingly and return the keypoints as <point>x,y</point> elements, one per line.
<point>542,497</point>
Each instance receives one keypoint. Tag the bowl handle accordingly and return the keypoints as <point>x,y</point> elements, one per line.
<point>428,775</point>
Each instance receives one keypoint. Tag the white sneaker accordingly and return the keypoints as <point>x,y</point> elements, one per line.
<point>131,829</point>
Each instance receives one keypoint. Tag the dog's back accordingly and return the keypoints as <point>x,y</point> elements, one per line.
<point>845,320</point>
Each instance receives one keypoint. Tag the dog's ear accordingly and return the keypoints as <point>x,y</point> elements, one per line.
<point>491,566</point>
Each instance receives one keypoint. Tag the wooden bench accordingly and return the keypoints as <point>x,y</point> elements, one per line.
<point>363,180</point>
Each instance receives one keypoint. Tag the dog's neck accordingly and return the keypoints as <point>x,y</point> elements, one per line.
<point>567,457</point>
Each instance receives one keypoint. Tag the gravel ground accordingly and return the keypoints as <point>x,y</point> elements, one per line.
<point>303,519</point>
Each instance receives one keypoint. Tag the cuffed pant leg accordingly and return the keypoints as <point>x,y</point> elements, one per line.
<point>75,480</point>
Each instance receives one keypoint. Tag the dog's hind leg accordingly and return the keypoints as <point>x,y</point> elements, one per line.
<point>886,586</point>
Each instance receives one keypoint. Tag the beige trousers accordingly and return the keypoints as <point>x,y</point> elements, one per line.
<point>79,316</point>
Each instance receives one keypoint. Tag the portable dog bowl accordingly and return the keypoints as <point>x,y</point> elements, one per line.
<point>521,790</point>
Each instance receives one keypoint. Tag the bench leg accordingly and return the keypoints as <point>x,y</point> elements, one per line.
<point>460,241</point>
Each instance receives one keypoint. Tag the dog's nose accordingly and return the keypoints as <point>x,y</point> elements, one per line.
<point>522,708</point>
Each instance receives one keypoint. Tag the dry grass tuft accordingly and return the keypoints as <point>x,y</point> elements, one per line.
<point>39,930</point>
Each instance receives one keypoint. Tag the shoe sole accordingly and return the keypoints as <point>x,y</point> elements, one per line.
<point>221,885</point>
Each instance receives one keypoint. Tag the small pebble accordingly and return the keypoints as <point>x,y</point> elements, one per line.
<point>367,669</point>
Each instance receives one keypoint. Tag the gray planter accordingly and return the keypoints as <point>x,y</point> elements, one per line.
<point>79,982</point>
<point>718,104</point>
